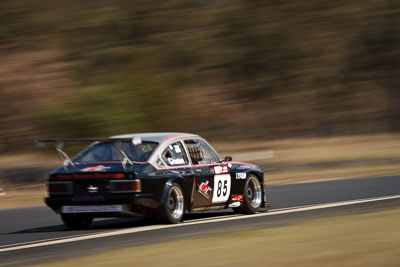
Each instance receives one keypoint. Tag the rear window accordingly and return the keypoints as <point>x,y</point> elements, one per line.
<point>108,152</point>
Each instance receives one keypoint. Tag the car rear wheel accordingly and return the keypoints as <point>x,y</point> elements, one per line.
<point>76,221</point>
<point>174,209</point>
<point>252,196</point>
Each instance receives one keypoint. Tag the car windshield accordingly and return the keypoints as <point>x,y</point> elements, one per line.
<point>107,151</point>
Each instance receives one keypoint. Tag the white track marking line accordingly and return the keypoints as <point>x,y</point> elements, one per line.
<point>41,243</point>
<point>211,219</point>
<point>44,240</point>
<point>362,200</point>
<point>90,234</point>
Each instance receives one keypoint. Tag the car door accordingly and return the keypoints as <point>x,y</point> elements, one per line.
<point>212,178</point>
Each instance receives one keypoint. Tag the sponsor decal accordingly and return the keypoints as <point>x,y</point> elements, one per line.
<point>146,148</point>
<point>237,198</point>
<point>234,204</point>
<point>92,189</point>
<point>241,175</point>
<point>95,169</point>
<point>247,166</point>
<point>136,141</point>
<point>221,169</point>
<point>88,198</point>
<point>177,149</point>
<point>204,188</point>
<point>176,161</point>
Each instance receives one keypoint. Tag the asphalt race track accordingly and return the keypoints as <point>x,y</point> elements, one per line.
<point>36,234</point>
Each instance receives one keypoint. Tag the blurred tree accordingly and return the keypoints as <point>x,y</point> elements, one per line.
<point>219,68</point>
<point>262,60</point>
<point>375,59</point>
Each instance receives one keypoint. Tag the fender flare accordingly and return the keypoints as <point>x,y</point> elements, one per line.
<point>168,184</point>
<point>260,176</point>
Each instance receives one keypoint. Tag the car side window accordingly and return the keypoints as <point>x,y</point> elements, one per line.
<point>174,155</point>
<point>200,152</point>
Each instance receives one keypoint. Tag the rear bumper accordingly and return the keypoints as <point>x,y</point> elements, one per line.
<point>120,210</point>
<point>131,205</point>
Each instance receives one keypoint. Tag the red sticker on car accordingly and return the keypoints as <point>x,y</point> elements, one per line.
<point>204,188</point>
<point>96,168</point>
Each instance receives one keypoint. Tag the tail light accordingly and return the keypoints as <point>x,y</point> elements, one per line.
<point>59,188</point>
<point>63,176</point>
<point>126,186</point>
<point>90,176</point>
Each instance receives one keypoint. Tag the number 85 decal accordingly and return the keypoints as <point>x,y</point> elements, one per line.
<point>222,188</point>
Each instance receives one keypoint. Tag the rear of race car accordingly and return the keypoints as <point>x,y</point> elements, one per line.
<point>102,180</point>
<point>95,193</point>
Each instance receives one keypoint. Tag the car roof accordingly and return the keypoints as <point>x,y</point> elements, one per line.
<point>156,137</point>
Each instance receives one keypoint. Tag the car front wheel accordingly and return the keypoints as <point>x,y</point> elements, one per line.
<point>252,196</point>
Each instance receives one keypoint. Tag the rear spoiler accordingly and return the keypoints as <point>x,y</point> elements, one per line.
<point>66,160</point>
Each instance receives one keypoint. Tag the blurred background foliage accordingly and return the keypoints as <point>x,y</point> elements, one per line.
<point>223,69</point>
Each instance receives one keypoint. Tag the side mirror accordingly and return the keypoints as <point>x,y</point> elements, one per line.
<point>228,158</point>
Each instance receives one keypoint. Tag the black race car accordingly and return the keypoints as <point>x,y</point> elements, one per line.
<point>159,174</point>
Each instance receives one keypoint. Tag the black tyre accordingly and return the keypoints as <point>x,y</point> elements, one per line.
<point>76,221</point>
<point>252,196</point>
<point>174,208</point>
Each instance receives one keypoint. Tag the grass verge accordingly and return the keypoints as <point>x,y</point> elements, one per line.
<point>368,239</point>
<point>29,195</point>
